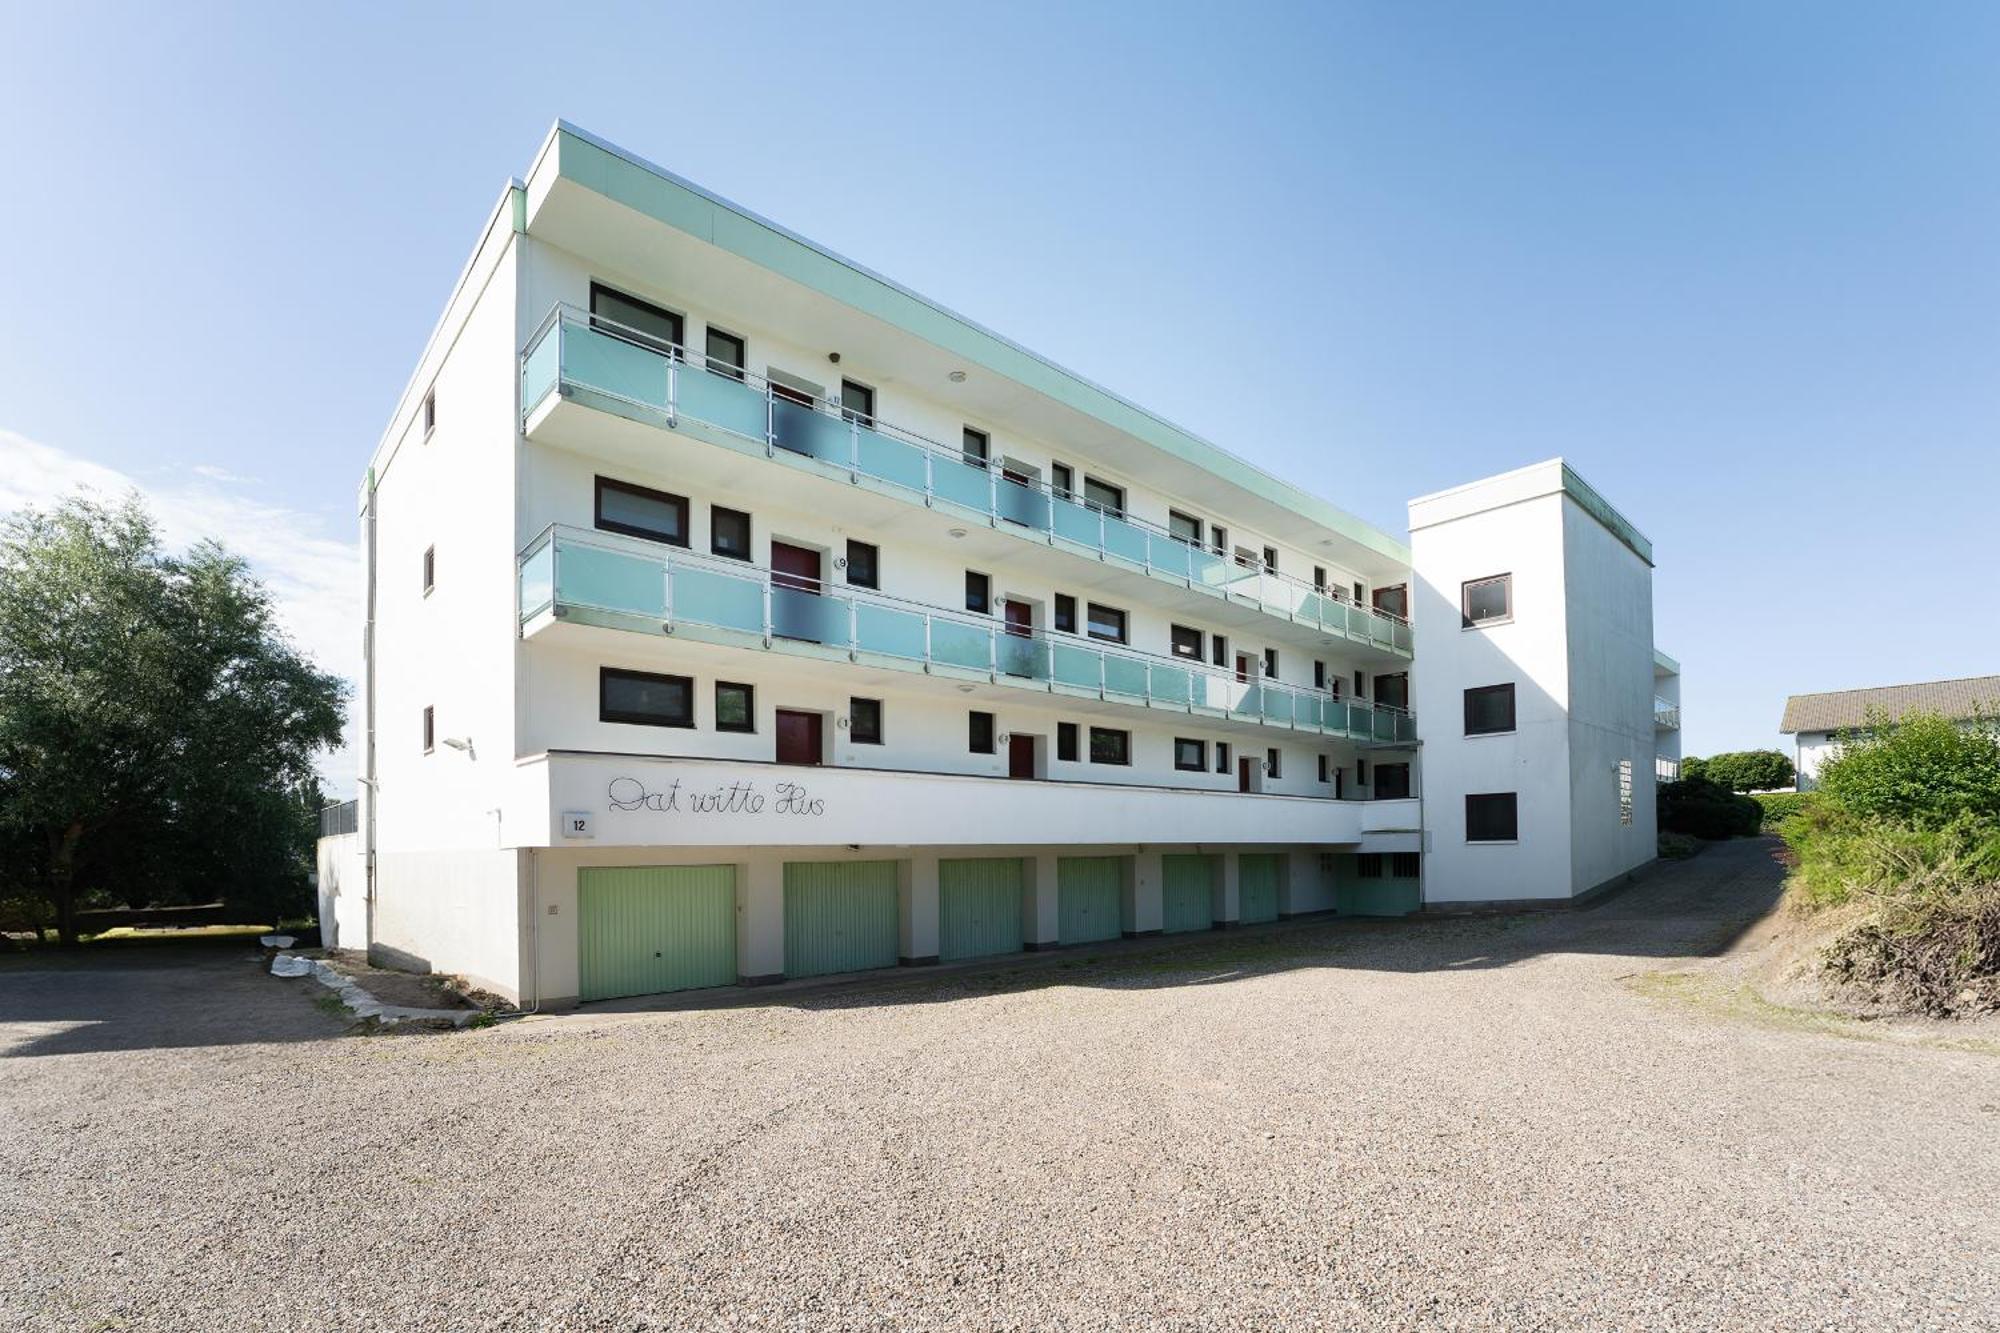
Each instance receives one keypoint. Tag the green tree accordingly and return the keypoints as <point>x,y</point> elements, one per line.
<point>1923,772</point>
<point>157,730</point>
<point>1749,770</point>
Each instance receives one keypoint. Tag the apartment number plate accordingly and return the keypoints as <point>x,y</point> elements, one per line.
<point>576,824</point>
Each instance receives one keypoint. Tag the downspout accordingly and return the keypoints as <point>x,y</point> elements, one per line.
<point>370,790</point>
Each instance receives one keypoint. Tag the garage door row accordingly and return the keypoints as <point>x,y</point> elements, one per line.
<point>647,929</point>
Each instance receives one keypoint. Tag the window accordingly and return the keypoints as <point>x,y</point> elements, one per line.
<point>1065,617</point>
<point>1404,865</point>
<point>642,698</point>
<point>975,447</point>
<point>639,512</point>
<point>735,706</point>
<point>1218,539</point>
<point>430,569</point>
<point>857,402</point>
<point>430,413</point>
<point>1110,746</point>
<point>1361,772</point>
<point>1186,642</point>
<point>1066,741</point>
<point>1062,481</point>
<point>430,728</point>
<point>727,353</point>
<point>1487,601</point>
<point>1271,763</point>
<point>1184,527</point>
<point>1319,578</point>
<point>864,721</point>
<point>1324,770</point>
<point>1392,782</point>
<point>1368,865</point>
<point>1271,663</point>
<point>1319,675</point>
<point>1491,817</point>
<point>1218,650</point>
<point>1271,558</point>
<point>1625,792</point>
<point>979,732</point>
<point>1222,756</point>
<point>864,569</point>
<point>1107,623</point>
<point>1393,689</point>
<point>1360,685</point>
<point>729,532</point>
<point>1190,756</point>
<point>1359,597</point>
<point>1489,709</point>
<point>1395,601</point>
<point>978,591</point>
<point>1104,497</point>
<point>639,321</point>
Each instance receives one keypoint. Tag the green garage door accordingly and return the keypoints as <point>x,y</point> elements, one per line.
<point>1257,887</point>
<point>646,929</point>
<point>840,916</point>
<point>1189,891</point>
<point>1089,890</point>
<point>979,907</point>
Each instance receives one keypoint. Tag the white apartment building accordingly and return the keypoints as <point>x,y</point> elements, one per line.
<point>735,614</point>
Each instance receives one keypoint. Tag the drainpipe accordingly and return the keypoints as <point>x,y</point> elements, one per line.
<point>371,791</point>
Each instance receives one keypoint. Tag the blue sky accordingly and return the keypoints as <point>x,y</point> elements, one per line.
<point>1740,263</point>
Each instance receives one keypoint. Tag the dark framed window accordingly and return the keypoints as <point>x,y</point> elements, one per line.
<point>727,353</point>
<point>1107,623</point>
<point>978,591</point>
<point>729,532</point>
<point>1222,756</point>
<point>1319,675</point>
<point>1065,616</point>
<point>1066,741</point>
<point>1185,527</point>
<point>1361,772</point>
<point>430,728</point>
<point>640,321</point>
<point>735,706</point>
<point>1393,689</point>
<point>1190,756</point>
<point>1492,817</point>
<point>1103,496</point>
<point>864,565</point>
<point>857,402</point>
<point>1271,558</point>
<point>1324,770</point>
<point>1368,865</point>
<point>1360,684</point>
<point>1489,709</point>
<point>638,511</point>
<point>1062,481</point>
<point>979,732</point>
<point>1358,597</point>
<point>1487,601</point>
<point>1273,759</point>
<point>976,447</point>
<point>1218,539</point>
<point>644,698</point>
<point>430,569</point>
<point>1319,578</point>
<point>1218,649</point>
<point>1395,600</point>
<point>1392,782</point>
<point>1108,745</point>
<point>864,721</point>
<point>1405,865</point>
<point>1271,663</point>
<point>1186,642</point>
<point>430,413</point>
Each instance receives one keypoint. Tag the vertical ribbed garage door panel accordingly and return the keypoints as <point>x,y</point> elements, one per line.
<point>1257,887</point>
<point>645,929</point>
<point>1189,893</point>
<point>979,907</point>
<point>1088,890</point>
<point>840,916</point>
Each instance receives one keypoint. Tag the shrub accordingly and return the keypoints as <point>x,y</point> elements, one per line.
<point>1694,766</point>
<point>1748,770</point>
<point>1781,807</point>
<point>1701,809</point>
<point>1923,772</point>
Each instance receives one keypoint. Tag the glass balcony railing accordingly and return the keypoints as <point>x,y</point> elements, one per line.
<point>581,355</point>
<point>629,583</point>
<point>1666,716</point>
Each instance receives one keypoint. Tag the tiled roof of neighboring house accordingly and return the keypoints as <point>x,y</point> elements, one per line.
<point>1840,709</point>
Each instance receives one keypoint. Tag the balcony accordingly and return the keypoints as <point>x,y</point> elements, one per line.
<point>1666,716</point>
<point>595,578</point>
<point>583,358</point>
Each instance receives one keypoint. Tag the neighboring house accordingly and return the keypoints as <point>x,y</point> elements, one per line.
<point>1817,722</point>
<point>736,614</point>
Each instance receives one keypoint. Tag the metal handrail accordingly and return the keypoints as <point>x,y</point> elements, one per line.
<point>678,354</point>
<point>670,557</point>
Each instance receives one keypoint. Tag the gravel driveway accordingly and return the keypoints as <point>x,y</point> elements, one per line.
<point>1503,1123</point>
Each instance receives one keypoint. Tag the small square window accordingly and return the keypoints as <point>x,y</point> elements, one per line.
<point>1489,710</point>
<point>430,569</point>
<point>430,729</point>
<point>1066,742</point>
<point>1488,601</point>
<point>1104,497</point>
<point>644,698</point>
<point>1392,782</point>
<point>1186,642</point>
<point>729,532</point>
<point>430,413</point>
<point>1404,865</point>
<point>1107,623</point>
<point>735,706</point>
<point>1491,817</point>
<point>1271,663</point>
<point>978,592</point>
<point>863,565</point>
<point>979,732</point>
<point>1065,616</point>
<point>1272,763</point>
<point>1184,527</point>
<point>975,447</point>
<point>1368,865</point>
<point>857,402</point>
<point>727,353</point>
<point>864,721</point>
<point>1190,756</point>
<point>1222,756</point>
<point>1110,746</point>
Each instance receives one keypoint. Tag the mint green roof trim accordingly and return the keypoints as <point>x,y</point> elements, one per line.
<point>1665,663</point>
<point>679,203</point>
<point>1600,509</point>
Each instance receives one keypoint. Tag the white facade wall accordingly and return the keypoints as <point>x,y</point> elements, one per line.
<point>342,892</point>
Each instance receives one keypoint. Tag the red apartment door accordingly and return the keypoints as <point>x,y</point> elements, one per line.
<point>795,590</point>
<point>1243,668</point>
<point>799,737</point>
<point>1020,756</point>
<point>1243,773</point>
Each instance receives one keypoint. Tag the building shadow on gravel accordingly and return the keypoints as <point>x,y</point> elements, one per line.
<point>1697,908</point>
